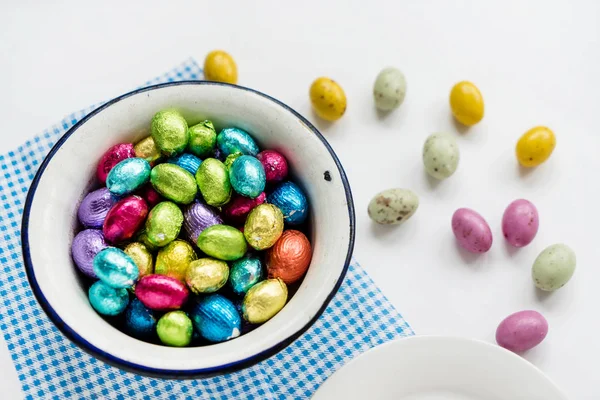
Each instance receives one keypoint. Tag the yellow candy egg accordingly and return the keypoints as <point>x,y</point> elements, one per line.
<point>466,103</point>
<point>535,146</point>
<point>219,66</point>
<point>328,99</point>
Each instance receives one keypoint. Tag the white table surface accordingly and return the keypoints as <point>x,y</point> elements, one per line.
<point>536,62</point>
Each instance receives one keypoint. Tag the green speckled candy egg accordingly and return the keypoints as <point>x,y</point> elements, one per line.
<point>393,206</point>
<point>389,89</point>
<point>213,180</point>
<point>554,267</point>
<point>440,155</point>
<point>164,223</point>
<point>203,138</point>
<point>170,132</point>
<point>174,183</point>
<point>223,242</point>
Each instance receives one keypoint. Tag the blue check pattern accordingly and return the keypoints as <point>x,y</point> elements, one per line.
<point>49,366</point>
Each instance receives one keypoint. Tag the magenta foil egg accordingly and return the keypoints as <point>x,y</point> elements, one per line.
<point>84,248</point>
<point>161,292</point>
<point>112,157</point>
<point>94,207</point>
<point>239,207</point>
<point>124,219</point>
<point>197,217</point>
<point>275,165</point>
<point>151,196</point>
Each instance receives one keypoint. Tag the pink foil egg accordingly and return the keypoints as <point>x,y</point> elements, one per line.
<point>112,157</point>
<point>275,165</point>
<point>151,196</point>
<point>471,230</point>
<point>520,222</point>
<point>124,219</point>
<point>239,207</point>
<point>161,292</point>
<point>522,331</point>
<point>197,217</point>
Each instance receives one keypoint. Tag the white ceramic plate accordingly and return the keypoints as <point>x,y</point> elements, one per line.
<point>439,368</point>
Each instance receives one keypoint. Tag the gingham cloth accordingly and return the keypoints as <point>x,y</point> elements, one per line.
<point>49,366</point>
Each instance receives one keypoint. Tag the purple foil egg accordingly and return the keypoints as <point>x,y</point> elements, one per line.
<point>94,207</point>
<point>84,248</point>
<point>197,217</point>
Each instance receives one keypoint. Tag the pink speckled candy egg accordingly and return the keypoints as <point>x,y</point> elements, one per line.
<point>275,165</point>
<point>522,331</point>
<point>239,207</point>
<point>471,231</point>
<point>124,219</point>
<point>161,292</point>
<point>112,157</point>
<point>520,222</point>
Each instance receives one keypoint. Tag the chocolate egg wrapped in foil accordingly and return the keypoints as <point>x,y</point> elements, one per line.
<point>124,219</point>
<point>140,321</point>
<point>170,132</point>
<point>197,217</point>
<point>150,195</point>
<point>107,300</point>
<point>223,242</point>
<point>94,207</point>
<point>290,257</point>
<point>216,318</point>
<point>231,158</point>
<point>291,200</point>
<point>187,161</point>
<point>245,273</point>
<point>203,138</point>
<point>128,176</point>
<point>264,300</point>
<point>275,165</point>
<point>115,268</point>
<point>174,259</point>
<point>175,329</point>
<point>141,255</point>
<point>163,223</point>
<point>264,226</point>
<point>213,181</point>
<point>174,183</point>
<point>146,149</point>
<point>231,140</point>
<point>142,237</point>
<point>239,207</point>
<point>86,244</point>
<point>247,176</point>
<point>161,293</point>
<point>206,275</point>
<point>112,157</point>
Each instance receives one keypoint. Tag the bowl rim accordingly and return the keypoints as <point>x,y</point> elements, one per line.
<point>157,372</point>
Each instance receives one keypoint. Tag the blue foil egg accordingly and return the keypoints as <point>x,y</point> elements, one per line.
<point>231,140</point>
<point>245,273</point>
<point>216,318</point>
<point>247,176</point>
<point>128,176</point>
<point>290,199</point>
<point>139,321</point>
<point>115,268</point>
<point>107,300</point>
<point>187,161</point>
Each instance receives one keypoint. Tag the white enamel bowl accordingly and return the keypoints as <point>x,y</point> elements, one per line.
<point>49,223</point>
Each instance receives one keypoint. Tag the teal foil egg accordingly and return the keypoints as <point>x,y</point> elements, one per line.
<point>107,300</point>
<point>139,321</point>
<point>187,161</point>
<point>231,140</point>
<point>115,268</point>
<point>216,318</point>
<point>290,199</point>
<point>128,176</point>
<point>245,273</point>
<point>247,176</point>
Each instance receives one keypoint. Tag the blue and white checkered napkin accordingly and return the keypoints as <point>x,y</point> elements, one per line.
<point>50,366</point>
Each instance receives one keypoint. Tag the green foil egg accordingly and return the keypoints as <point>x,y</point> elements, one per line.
<point>170,132</point>
<point>175,329</point>
<point>207,275</point>
<point>142,257</point>
<point>223,242</point>
<point>142,237</point>
<point>146,149</point>
<point>264,226</point>
<point>264,300</point>
<point>231,158</point>
<point>164,223</point>
<point>174,259</point>
<point>203,138</point>
<point>174,183</point>
<point>213,180</point>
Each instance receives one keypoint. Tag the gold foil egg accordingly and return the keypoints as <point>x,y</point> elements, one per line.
<point>174,259</point>
<point>207,275</point>
<point>264,226</point>
<point>290,257</point>
<point>264,300</point>
<point>142,257</point>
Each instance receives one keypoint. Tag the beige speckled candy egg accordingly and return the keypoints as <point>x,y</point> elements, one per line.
<point>440,155</point>
<point>389,89</point>
<point>393,206</point>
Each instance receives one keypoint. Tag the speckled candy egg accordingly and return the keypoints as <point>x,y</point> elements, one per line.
<point>115,268</point>
<point>203,139</point>
<point>140,321</point>
<point>124,219</point>
<point>147,149</point>
<point>220,66</point>
<point>112,157</point>
<point>141,255</point>
<point>94,207</point>
<point>197,217</point>
<point>174,259</point>
<point>216,318</point>
<point>264,226</point>
<point>170,132</point>
<point>206,275</point>
<point>471,231</point>
<point>264,300</point>
<point>213,181</point>
<point>520,222</point>
<point>328,99</point>
<point>164,223</point>
<point>175,329</point>
<point>275,165</point>
<point>245,273</point>
<point>247,176</point>
<point>239,207</point>
<point>84,248</point>
<point>223,242</point>
<point>466,103</point>
<point>128,176</point>
<point>161,293</point>
<point>289,258</point>
<point>291,200</point>
<point>554,267</point>
<point>393,206</point>
<point>107,300</point>
<point>232,140</point>
<point>174,183</point>
<point>535,146</point>
<point>440,155</point>
<point>187,161</point>
<point>522,331</point>
<point>389,89</point>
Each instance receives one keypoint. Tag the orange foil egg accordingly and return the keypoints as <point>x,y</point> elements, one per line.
<point>289,257</point>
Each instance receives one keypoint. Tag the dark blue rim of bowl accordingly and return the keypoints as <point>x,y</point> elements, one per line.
<point>157,372</point>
